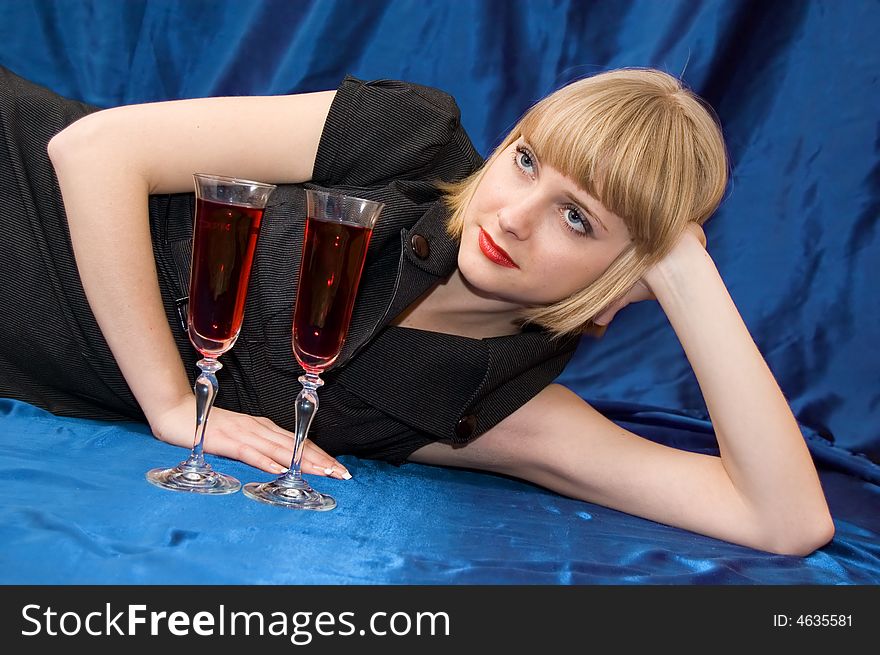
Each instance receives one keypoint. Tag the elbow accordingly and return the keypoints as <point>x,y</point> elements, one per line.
<point>97,146</point>
<point>62,143</point>
<point>75,140</point>
<point>56,146</point>
<point>804,542</point>
<point>63,147</point>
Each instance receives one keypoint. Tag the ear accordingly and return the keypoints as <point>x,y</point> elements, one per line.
<point>603,319</point>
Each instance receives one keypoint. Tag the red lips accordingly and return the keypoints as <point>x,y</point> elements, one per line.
<point>494,252</point>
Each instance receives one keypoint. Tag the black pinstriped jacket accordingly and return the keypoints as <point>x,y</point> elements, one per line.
<point>393,389</point>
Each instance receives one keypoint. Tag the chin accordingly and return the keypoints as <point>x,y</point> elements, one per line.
<point>485,278</point>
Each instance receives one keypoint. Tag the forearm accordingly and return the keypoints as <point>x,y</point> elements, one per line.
<point>760,443</point>
<point>106,201</point>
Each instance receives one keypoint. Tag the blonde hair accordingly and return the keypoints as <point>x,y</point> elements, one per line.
<point>646,147</point>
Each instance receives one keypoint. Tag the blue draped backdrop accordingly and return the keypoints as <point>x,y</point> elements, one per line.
<point>795,84</point>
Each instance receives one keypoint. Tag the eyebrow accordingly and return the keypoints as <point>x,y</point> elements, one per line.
<point>580,203</point>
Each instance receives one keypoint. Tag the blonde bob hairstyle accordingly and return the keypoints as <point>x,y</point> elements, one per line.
<point>646,147</point>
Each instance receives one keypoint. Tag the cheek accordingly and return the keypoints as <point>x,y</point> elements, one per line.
<point>564,271</point>
<point>560,276</point>
<point>485,200</point>
<point>492,190</point>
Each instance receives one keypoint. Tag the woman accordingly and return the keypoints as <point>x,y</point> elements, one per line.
<point>470,304</point>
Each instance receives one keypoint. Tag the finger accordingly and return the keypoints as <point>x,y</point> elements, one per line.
<point>234,425</point>
<point>263,454</point>
<point>318,468</point>
<point>281,454</point>
<point>279,440</point>
<point>312,453</point>
<point>245,452</point>
<point>605,317</point>
<point>315,448</point>
<point>698,231</point>
<point>279,434</point>
<point>275,445</point>
<point>643,291</point>
<point>320,460</point>
<point>226,438</point>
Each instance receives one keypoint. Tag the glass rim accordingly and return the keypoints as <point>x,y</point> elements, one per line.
<point>337,194</point>
<point>235,180</point>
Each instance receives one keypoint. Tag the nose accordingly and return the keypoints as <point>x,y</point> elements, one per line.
<point>517,217</point>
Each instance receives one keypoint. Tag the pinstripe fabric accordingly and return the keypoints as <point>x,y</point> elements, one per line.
<point>393,389</point>
<point>52,352</point>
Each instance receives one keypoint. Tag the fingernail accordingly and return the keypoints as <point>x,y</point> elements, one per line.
<point>346,475</point>
<point>329,471</point>
<point>279,469</point>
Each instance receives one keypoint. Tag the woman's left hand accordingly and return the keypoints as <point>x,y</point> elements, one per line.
<point>641,290</point>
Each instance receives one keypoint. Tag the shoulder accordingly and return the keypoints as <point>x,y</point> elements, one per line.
<point>407,95</point>
<point>382,130</point>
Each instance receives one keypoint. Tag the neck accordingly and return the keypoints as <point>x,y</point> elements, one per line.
<point>453,306</point>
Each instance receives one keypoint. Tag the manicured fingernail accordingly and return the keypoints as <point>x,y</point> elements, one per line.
<point>279,469</point>
<point>346,475</point>
<point>329,471</point>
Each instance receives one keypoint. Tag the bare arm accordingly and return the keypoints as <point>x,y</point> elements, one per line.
<point>108,163</point>
<point>763,491</point>
<point>761,446</point>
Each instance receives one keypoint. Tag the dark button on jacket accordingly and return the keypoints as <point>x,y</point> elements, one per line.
<point>465,427</point>
<point>420,246</point>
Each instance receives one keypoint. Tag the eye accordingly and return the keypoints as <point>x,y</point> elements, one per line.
<point>524,160</point>
<point>575,221</point>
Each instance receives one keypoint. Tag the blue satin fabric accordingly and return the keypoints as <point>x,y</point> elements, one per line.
<point>77,510</point>
<point>796,240</point>
<point>794,84</point>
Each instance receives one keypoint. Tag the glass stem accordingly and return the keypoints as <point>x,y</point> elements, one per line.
<point>306,406</point>
<point>205,389</point>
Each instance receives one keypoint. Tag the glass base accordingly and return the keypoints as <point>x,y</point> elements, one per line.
<point>290,494</point>
<point>196,479</point>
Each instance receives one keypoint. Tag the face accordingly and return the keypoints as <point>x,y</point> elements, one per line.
<point>532,236</point>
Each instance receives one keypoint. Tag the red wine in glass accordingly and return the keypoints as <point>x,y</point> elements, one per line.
<point>229,212</point>
<point>223,250</point>
<point>333,257</point>
<point>337,233</point>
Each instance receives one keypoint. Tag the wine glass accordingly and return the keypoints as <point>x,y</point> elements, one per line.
<point>228,216</point>
<point>337,234</point>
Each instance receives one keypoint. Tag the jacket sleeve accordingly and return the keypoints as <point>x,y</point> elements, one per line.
<point>386,130</point>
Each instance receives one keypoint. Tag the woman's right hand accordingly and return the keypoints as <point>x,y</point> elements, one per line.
<point>250,439</point>
<point>642,290</point>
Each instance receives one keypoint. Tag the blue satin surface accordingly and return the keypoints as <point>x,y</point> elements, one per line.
<point>77,510</point>
<point>796,89</point>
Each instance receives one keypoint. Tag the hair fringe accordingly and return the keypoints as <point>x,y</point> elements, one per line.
<point>649,149</point>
